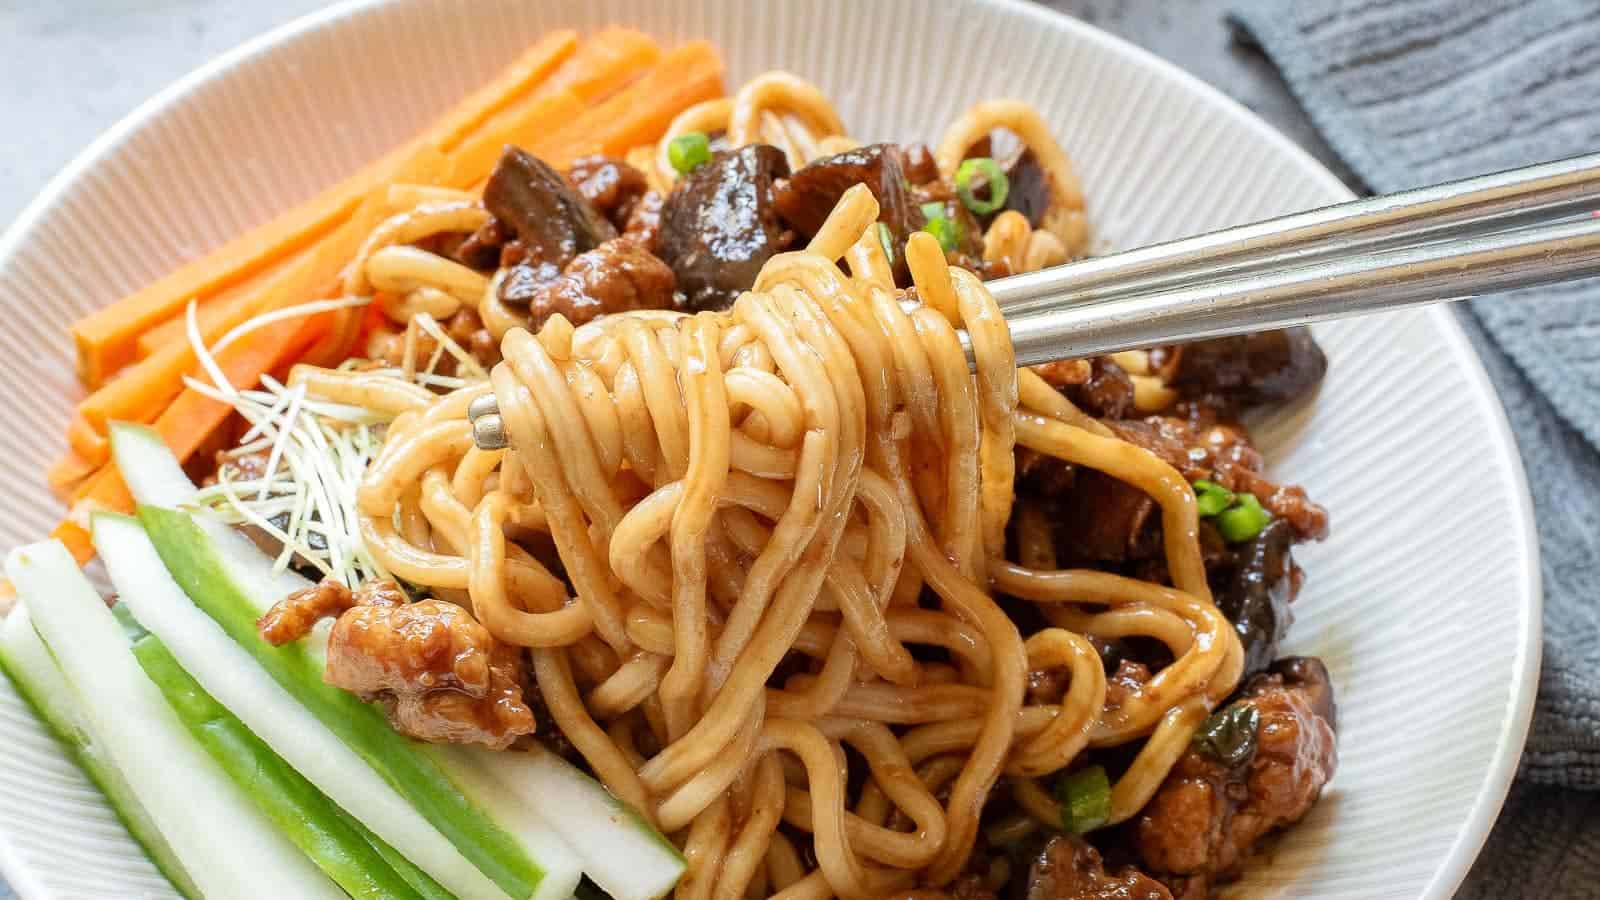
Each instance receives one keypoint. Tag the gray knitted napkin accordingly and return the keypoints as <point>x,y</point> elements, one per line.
<point>1411,92</point>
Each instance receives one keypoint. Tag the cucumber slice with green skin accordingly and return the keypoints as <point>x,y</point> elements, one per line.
<point>616,846</point>
<point>29,666</point>
<point>621,852</point>
<point>424,886</point>
<point>229,674</point>
<point>225,844</point>
<point>230,596</point>
<point>300,811</point>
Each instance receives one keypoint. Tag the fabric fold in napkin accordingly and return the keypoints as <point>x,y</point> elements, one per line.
<point>1414,92</point>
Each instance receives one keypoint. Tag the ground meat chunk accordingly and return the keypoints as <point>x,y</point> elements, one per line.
<point>293,617</point>
<point>481,249</point>
<point>644,220</point>
<point>1222,454</point>
<point>1067,868</point>
<point>466,328</point>
<point>1125,683</point>
<point>442,676</point>
<point>617,276</point>
<point>1233,374</point>
<point>610,185</point>
<point>1207,816</point>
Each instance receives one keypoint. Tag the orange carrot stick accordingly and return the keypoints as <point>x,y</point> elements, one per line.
<point>107,339</point>
<point>521,125</point>
<point>66,473</point>
<point>641,112</point>
<point>76,538</point>
<point>142,392</point>
<point>531,68</point>
<point>604,64</point>
<point>213,309</point>
<point>86,442</point>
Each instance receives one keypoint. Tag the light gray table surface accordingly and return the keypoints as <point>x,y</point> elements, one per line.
<point>69,70</point>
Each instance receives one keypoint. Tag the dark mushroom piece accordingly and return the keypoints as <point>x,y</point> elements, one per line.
<point>552,222</point>
<point>720,225</point>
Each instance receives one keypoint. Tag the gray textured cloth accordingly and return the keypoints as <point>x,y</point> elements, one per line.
<point>1411,92</point>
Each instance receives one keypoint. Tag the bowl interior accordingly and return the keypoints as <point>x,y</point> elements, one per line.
<point>1412,597</point>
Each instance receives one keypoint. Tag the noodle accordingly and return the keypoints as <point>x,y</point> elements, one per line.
<point>788,479</point>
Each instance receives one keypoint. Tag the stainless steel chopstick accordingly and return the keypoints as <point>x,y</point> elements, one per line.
<point>1485,204</point>
<point>1330,289</point>
<point>1449,242</point>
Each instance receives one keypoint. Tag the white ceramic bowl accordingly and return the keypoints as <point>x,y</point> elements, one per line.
<point>1424,602</point>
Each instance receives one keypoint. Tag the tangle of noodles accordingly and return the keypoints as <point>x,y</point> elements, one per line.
<point>813,474</point>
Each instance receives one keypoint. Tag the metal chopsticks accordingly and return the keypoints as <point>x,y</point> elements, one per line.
<point>1518,228</point>
<point>1448,242</point>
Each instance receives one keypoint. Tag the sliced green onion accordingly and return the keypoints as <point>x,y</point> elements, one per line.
<point>1212,498</point>
<point>886,238</point>
<point>941,226</point>
<point>1085,798</point>
<point>1229,735</point>
<point>990,171</point>
<point>1244,520</point>
<point>688,151</point>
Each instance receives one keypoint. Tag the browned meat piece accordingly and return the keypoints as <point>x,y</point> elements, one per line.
<point>1107,393</point>
<point>481,249</point>
<point>1102,519</point>
<point>920,166</point>
<point>1125,682</point>
<point>1098,386</point>
<point>1064,372</point>
<point>610,185</point>
<point>617,276</point>
<point>441,674</point>
<point>552,222</point>
<point>466,329</point>
<point>644,220</point>
<point>293,617</point>
<point>1237,783</point>
<point>720,225</point>
<point>1233,374</point>
<point>806,198</point>
<point>1029,185</point>
<point>1254,589</point>
<point>1068,868</point>
<point>1223,455</point>
<point>1048,686</point>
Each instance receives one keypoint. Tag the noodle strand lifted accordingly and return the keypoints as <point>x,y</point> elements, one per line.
<point>812,476</point>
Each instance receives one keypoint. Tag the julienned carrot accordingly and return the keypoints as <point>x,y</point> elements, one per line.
<point>186,425</point>
<point>520,125</point>
<point>107,340</point>
<point>77,541</point>
<point>531,68</point>
<point>140,393</point>
<point>605,63</point>
<point>641,112</point>
<point>190,421</point>
<point>86,442</point>
<point>213,309</point>
<point>66,473</point>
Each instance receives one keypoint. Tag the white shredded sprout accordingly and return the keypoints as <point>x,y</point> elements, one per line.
<point>318,450</point>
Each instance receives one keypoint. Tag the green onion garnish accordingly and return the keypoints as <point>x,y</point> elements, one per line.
<point>1244,520</point>
<point>990,171</point>
<point>688,151</point>
<point>1085,798</point>
<point>1229,735</point>
<point>1212,498</point>
<point>886,238</point>
<point>941,226</point>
